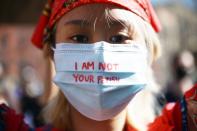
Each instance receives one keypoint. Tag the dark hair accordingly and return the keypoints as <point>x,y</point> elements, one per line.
<point>49,37</point>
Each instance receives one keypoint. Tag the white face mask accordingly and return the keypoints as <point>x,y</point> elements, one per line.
<point>100,79</point>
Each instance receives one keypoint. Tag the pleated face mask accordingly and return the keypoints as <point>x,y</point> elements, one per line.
<point>100,79</point>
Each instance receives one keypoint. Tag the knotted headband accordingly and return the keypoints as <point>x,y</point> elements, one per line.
<point>55,9</point>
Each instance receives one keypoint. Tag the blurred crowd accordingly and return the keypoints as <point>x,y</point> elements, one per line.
<point>22,93</point>
<point>184,74</point>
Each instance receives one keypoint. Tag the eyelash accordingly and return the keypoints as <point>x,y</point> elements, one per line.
<point>75,39</point>
<point>119,38</point>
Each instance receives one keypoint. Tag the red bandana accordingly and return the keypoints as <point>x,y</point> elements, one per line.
<point>55,9</point>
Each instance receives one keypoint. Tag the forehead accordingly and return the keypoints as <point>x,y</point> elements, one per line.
<point>99,12</point>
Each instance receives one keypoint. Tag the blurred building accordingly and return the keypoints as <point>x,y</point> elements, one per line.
<point>17,21</point>
<point>17,50</point>
<point>20,11</point>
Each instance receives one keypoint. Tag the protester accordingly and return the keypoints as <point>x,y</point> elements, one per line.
<point>102,51</point>
<point>183,72</point>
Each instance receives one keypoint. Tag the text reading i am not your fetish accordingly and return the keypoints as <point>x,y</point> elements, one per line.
<point>91,66</point>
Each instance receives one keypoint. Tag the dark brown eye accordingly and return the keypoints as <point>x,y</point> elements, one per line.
<point>80,39</point>
<point>118,39</point>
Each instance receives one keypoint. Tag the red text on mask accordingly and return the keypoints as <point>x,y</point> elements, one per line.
<point>83,78</point>
<point>105,79</point>
<point>107,66</point>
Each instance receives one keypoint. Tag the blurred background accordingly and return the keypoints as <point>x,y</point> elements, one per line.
<point>22,65</point>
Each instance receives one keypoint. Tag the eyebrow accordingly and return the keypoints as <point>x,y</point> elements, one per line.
<point>78,23</point>
<point>115,22</point>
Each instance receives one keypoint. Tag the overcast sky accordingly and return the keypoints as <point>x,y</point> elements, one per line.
<point>187,2</point>
<point>158,1</point>
<point>163,1</point>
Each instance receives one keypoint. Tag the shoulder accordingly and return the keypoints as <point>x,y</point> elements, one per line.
<point>169,120</point>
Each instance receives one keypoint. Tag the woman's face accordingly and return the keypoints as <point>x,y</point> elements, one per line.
<point>98,22</point>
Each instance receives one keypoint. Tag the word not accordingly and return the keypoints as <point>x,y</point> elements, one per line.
<point>107,66</point>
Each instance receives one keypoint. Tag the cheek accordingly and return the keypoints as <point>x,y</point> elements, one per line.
<point>59,35</point>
